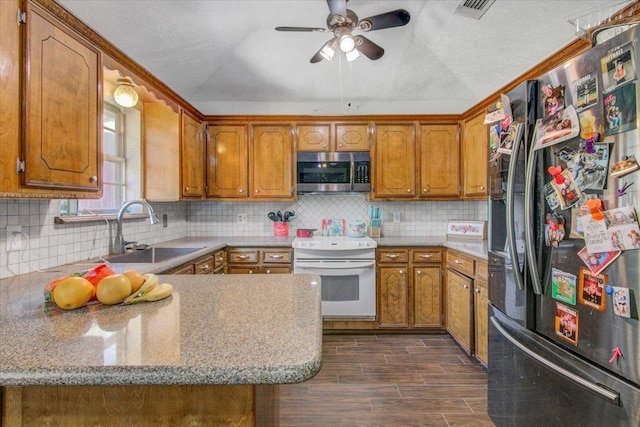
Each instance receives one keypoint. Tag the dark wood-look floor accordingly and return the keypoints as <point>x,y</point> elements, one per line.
<point>390,380</point>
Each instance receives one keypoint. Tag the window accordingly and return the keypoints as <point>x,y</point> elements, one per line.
<point>121,164</point>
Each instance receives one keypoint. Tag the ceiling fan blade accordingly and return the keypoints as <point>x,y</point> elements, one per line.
<point>305,29</point>
<point>395,18</point>
<point>368,48</point>
<point>338,7</point>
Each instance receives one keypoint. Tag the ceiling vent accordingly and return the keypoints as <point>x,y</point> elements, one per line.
<point>473,8</point>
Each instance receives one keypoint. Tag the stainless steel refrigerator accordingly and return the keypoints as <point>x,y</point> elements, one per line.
<point>564,334</point>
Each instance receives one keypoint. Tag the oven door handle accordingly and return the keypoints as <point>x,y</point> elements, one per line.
<point>338,265</point>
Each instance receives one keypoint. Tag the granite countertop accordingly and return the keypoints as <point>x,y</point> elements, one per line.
<point>214,329</point>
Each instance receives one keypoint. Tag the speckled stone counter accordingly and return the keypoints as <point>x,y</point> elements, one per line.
<point>214,329</point>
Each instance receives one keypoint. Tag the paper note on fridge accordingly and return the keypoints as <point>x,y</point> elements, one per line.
<point>617,231</point>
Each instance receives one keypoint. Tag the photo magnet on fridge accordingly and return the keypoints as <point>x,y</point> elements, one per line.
<point>563,286</point>
<point>586,91</point>
<point>620,109</point>
<point>566,323</point>
<point>621,298</point>
<point>591,289</point>
<point>618,66</point>
<point>597,261</point>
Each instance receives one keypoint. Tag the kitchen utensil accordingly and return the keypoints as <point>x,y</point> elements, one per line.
<point>279,215</point>
<point>289,215</point>
<point>305,232</point>
<point>272,216</point>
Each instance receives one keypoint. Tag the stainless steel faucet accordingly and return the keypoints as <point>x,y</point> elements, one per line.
<point>119,244</point>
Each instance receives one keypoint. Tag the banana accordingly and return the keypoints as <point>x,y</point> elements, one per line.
<point>157,293</point>
<point>151,281</point>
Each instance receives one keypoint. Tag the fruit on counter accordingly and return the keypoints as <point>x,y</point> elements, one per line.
<point>151,290</point>
<point>93,275</point>
<point>136,279</point>
<point>72,292</point>
<point>113,289</point>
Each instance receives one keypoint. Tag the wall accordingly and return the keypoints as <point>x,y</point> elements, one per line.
<point>49,245</point>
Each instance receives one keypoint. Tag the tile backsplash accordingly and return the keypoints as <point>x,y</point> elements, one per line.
<point>46,245</point>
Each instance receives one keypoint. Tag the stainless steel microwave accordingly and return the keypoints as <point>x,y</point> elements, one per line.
<point>333,172</point>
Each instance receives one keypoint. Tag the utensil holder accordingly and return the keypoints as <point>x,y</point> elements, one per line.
<point>281,229</point>
<point>373,231</point>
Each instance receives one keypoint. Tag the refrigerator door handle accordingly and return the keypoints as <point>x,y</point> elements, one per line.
<point>511,232</point>
<point>528,219</point>
<point>606,394</point>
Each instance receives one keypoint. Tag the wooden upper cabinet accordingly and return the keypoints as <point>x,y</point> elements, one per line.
<point>271,161</point>
<point>62,144</point>
<point>394,167</point>
<point>475,141</point>
<point>192,157</point>
<point>314,137</point>
<point>352,137</point>
<point>439,161</point>
<point>161,152</point>
<point>227,161</point>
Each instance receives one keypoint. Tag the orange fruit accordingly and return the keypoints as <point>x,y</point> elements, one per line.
<point>72,292</point>
<point>113,289</point>
<point>136,279</point>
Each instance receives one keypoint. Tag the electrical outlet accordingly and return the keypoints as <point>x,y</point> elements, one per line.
<point>396,217</point>
<point>14,238</point>
<point>242,218</point>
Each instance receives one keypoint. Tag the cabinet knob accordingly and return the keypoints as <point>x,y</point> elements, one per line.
<point>257,191</point>
<point>418,272</point>
<point>424,190</point>
<point>93,179</point>
<point>408,190</point>
<point>268,271</point>
<point>324,145</point>
<point>241,190</point>
<point>341,145</point>
<point>250,271</point>
<point>477,291</point>
<point>401,271</point>
<point>482,187</point>
<point>186,188</point>
<point>466,286</point>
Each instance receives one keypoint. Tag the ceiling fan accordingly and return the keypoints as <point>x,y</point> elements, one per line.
<point>342,22</point>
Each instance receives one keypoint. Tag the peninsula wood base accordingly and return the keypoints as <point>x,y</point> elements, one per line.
<point>151,405</point>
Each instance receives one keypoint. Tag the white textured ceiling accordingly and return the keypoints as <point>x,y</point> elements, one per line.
<point>224,56</point>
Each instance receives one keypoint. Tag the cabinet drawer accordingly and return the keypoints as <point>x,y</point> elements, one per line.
<point>218,259</point>
<point>482,270</point>
<point>253,269</point>
<point>393,255</point>
<point>276,256</point>
<point>187,269</point>
<point>426,255</point>
<point>276,269</point>
<point>204,265</point>
<point>462,263</point>
<point>236,256</point>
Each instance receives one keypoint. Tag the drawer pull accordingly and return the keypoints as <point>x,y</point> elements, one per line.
<point>243,256</point>
<point>250,271</point>
<point>268,271</point>
<point>219,259</point>
<point>392,256</point>
<point>276,256</point>
<point>426,256</point>
<point>205,267</point>
<point>457,261</point>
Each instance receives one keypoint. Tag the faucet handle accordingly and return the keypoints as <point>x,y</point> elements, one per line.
<point>129,245</point>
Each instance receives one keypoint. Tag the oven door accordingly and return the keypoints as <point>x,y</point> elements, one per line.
<point>348,287</point>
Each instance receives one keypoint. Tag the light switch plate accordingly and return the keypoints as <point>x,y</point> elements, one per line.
<point>396,217</point>
<point>14,238</point>
<point>242,218</point>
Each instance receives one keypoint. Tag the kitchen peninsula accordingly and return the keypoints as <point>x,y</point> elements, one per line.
<point>211,354</point>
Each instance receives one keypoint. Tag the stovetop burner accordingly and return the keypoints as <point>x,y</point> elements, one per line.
<point>334,243</point>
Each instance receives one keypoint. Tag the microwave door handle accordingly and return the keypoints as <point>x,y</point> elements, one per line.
<point>511,232</point>
<point>529,240</point>
<point>352,167</point>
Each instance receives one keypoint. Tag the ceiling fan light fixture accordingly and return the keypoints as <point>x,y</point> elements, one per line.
<point>329,49</point>
<point>354,54</point>
<point>125,94</point>
<point>347,43</point>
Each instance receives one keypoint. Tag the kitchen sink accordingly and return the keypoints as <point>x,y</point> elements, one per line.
<point>149,255</point>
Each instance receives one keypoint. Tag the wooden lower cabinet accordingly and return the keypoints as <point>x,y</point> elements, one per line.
<point>410,288</point>
<point>208,264</point>
<point>259,260</point>
<point>141,405</point>
<point>481,312</point>
<point>460,309</point>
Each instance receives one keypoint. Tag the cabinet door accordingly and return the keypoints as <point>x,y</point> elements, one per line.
<point>481,304</point>
<point>475,160</point>
<point>427,299</point>
<point>314,137</point>
<point>459,309</point>
<point>394,173</point>
<point>393,282</point>
<point>161,152</point>
<point>63,102</point>
<point>271,157</point>
<point>227,162</point>
<point>192,155</point>
<point>352,137</point>
<point>439,161</point>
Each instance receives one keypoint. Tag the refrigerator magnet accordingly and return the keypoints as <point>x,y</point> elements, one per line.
<point>597,261</point>
<point>591,289</point>
<point>620,109</point>
<point>621,301</point>
<point>566,323</point>
<point>625,166</point>
<point>586,91</point>
<point>563,286</point>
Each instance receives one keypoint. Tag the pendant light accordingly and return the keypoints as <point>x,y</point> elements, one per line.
<point>125,94</point>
